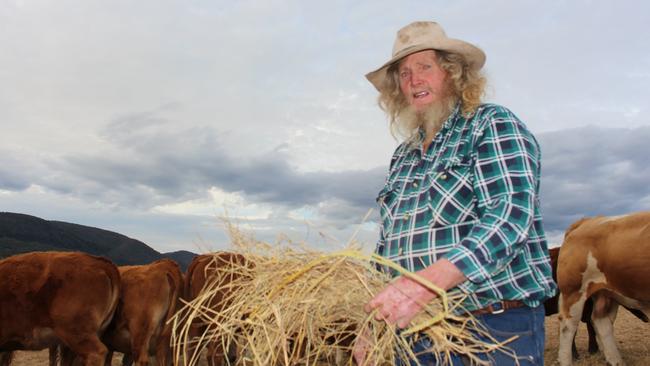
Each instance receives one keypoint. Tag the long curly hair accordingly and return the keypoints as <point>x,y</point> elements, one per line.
<point>466,84</point>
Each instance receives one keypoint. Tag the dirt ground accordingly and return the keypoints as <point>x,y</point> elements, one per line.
<point>40,358</point>
<point>632,335</point>
<point>633,338</point>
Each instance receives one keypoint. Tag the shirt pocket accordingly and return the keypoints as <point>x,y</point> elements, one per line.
<point>388,199</point>
<point>450,193</point>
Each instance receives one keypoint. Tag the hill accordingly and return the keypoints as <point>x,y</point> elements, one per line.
<point>20,233</point>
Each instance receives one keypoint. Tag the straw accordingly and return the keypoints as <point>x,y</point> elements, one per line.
<point>288,304</point>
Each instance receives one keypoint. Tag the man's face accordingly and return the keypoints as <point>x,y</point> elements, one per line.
<point>421,80</point>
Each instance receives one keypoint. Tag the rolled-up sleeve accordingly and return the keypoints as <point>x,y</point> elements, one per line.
<point>505,184</point>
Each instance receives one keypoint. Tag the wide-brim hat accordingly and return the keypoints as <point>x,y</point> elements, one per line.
<point>420,36</point>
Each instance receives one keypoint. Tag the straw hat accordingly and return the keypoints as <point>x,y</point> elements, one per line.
<point>419,36</point>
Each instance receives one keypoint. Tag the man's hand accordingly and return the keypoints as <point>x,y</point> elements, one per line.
<point>403,299</point>
<point>361,349</point>
<point>400,302</point>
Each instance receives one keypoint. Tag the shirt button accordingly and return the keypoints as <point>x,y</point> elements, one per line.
<point>400,251</point>
<point>407,216</point>
<point>443,177</point>
<point>415,184</point>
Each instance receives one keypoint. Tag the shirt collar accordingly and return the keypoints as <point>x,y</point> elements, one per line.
<point>452,117</point>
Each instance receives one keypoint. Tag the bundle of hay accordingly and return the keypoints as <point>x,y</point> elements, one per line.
<point>289,305</point>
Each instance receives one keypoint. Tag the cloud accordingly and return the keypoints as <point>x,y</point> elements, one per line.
<point>591,171</point>
<point>12,172</point>
<point>147,160</point>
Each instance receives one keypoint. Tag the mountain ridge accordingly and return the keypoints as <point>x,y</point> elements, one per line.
<point>21,233</point>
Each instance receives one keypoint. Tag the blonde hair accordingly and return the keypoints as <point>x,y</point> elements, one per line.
<point>466,84</point>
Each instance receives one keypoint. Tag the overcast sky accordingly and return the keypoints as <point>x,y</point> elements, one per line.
<point>154,118</point>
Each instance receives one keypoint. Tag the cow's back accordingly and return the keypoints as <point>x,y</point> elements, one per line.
<point>205,270</point>
<point>195,275</point>
<point>612,250</point>
<point>68,293</point>
<point>149,298</point>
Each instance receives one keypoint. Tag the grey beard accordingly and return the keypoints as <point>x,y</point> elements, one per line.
<point>429,120</point>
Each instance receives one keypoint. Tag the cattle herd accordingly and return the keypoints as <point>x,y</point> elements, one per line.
<point>84,308</point>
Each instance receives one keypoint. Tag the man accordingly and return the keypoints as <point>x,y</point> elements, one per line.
<point>460,206</point>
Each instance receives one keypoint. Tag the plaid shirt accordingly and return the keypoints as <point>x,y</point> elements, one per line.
<point>471,198</point>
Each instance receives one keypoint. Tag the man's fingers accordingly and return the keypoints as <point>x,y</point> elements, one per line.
<point>373,303</point>
<point>403,323</point>
<point>387,315</point>
<point>368,307</point>
<point>381,314</point>
<point>376,301</point>
<point>360,356</point>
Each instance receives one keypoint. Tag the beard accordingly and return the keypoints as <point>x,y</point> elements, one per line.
<point>429,120</point>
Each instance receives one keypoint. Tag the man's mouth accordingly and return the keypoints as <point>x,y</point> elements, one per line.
<point>420,94</point>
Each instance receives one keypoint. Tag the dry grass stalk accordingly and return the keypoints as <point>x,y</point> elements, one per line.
<point>296,306</point>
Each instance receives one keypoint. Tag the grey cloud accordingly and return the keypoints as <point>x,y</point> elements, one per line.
<point>593,171</point>
<point>155,162</point>
<point>13,172</point>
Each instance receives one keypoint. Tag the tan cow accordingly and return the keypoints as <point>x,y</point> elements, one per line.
<point>605,258</point>
<point>149,297</point>
<point>202,273</point>
<point>47,298</point>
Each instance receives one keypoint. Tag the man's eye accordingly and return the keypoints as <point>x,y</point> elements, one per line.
<point>403,74</point>
<point>426,66</point>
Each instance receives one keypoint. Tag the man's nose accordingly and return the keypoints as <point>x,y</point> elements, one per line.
<point>415,79</point>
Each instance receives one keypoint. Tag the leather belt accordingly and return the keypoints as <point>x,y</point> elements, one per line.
<point>499,307</point>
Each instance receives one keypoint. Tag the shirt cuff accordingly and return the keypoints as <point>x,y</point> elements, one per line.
<point>470,265</point>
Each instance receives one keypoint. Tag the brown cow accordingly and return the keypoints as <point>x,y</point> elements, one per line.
<point>47,298</point>
<point>149,297</point>
<point>203,273</point>
<point>606,258</point>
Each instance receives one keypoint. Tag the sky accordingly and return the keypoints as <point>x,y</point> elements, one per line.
<point>157,119</point>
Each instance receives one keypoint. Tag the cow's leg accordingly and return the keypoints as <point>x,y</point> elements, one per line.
<point>82,343</point>
<point>587,312</point>
<point>163,350</point>
<point>215,352</point>
<point>140,340</point>
<point>53,352</point>
<point>163,345</point>
<point>232,354</point>
<point>604,327</point>
<point>593,344</point>
<point>574,349</point>
<point>127,359</point>
<point>191,353</point>
<point>109,358</point>
<point>5,358</point>
<point>67,356</point>
<point>568,326</point>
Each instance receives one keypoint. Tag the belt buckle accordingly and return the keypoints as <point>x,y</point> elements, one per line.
<point>501,308</point>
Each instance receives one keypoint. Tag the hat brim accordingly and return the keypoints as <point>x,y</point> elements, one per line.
<point>474,56</point>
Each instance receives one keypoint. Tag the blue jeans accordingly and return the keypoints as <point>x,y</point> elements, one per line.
<point>525,323</point>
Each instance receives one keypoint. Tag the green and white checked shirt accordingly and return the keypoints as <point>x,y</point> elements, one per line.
<point>472,198</point>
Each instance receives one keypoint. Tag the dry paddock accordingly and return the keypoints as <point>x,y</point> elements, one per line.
<point>633,338</point>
